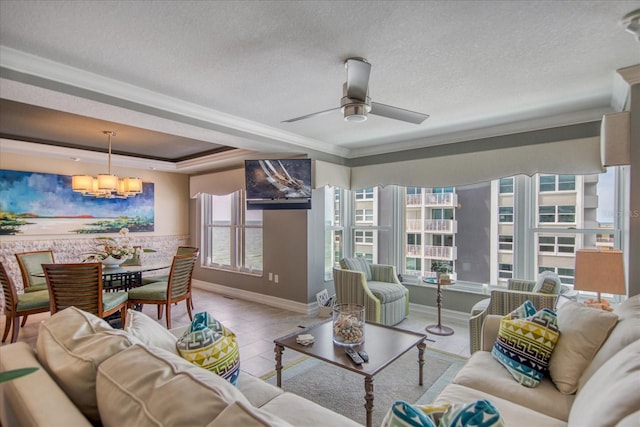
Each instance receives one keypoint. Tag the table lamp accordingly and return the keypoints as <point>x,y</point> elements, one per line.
<point>600,271</point>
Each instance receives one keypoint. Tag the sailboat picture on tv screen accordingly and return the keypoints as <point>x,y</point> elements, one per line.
<point>280,183</point>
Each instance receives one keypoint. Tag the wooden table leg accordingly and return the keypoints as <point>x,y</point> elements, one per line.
<point>368,397</point>
<point>278,350</point>
<point>421,348</point>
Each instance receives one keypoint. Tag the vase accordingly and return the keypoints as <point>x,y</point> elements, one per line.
<point>348,324</point>
<point>110,262</point>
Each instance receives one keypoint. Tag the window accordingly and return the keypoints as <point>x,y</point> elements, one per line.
<point>364,194</point>
<point>506,186</point>
<point>232,234</point>
<point>557,244</point>
<point>364,236</point>
<point>565,274</point>
<point>557,183</point>
<point>334,229</point>
<point>505,271</point>
<point>505,214</point>
<point>364,215</point>
<point>557,214</point>
<point>505,243</point>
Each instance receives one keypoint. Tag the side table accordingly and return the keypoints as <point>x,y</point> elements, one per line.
<point>439,328</point>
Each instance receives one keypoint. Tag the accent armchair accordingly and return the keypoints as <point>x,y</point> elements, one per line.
<point>503,302</point>
<point>375,286</point>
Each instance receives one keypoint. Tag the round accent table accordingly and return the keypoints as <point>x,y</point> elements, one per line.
<point>439,328</point>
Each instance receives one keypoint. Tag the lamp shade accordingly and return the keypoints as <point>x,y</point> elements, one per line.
<point>599,271</point>
<point>82,183</point>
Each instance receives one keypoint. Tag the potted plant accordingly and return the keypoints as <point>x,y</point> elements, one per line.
<point>442,269</point>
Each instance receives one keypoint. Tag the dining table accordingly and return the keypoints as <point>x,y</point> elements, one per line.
<point>123,278</point>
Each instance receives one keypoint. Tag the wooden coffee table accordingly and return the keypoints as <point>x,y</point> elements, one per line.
<point>384,344</point>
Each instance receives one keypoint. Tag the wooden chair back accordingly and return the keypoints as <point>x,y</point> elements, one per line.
<point>9,289</point>
<point>78,285</point>
<point>179,283</point>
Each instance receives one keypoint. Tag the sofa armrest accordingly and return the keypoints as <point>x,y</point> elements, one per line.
<point>384,273</point>
<point>351,287</point>
<point>35,399</point>
<point>490,329</point>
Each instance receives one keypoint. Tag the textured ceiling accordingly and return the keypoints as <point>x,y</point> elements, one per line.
<point>217,74</point>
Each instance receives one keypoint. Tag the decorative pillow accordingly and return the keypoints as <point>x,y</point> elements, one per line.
<point>149,331</point>
<point>208,344</point>
<point>527,309</point>
<point>524,346</point>
<point>357,264</point>
<point>548,282</point>
<point>582,332</point>
<point>71,345</point>
<point>403,414</point>
<point>480,413</point>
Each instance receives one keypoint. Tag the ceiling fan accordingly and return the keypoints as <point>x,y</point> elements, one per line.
<point>356,104</point>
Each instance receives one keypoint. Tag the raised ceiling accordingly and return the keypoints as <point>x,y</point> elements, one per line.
<point>215,80</point>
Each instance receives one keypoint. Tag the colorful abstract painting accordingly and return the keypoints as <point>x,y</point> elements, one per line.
<point>33,203</point>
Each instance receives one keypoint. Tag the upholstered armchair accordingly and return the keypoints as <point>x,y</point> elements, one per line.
<point>503,302</point>
<point>375,286</point>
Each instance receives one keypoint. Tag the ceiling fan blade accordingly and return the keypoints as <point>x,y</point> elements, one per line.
<point>358,72</point>
<point>397,113</point>
<point>319,113</point>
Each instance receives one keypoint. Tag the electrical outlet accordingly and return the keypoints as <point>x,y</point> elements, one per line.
<point>270,277</point>
<point>275,278</point>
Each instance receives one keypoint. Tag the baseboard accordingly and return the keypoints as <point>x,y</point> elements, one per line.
<point>285,304</point>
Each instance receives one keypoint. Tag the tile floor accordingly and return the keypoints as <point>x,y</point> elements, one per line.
<point>257,325</point>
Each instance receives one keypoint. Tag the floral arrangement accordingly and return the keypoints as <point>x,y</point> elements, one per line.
<point>120,249</point>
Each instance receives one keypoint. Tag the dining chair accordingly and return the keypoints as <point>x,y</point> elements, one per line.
<point>167,292</point>
<point>180,251</point>
<point>16,305</point>
<point>30,264</point>
<point>80,285</point>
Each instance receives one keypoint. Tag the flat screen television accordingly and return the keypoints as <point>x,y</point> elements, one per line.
<point>278,184</point>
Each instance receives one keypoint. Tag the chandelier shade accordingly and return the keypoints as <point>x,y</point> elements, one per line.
<point>106,185</point>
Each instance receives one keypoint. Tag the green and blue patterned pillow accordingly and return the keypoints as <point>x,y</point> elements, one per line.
<point>357,264</point>
<point>480,413</point>
<point>524,345</point>
<point>208,344</point>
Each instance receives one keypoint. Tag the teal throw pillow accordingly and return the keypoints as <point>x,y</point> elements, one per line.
<point>480,413</point>
<point>208,344</point>
<point>403,414</point>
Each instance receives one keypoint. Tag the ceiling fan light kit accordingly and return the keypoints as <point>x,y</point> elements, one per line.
<point>107,185</point>
<point>356,104</point>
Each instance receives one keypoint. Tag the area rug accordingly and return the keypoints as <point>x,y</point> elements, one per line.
<point>343,391</point>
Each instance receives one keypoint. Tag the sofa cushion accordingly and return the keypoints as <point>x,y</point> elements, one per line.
<point>357,264</point>
<point>582,332</point>
<point>626,331</point>
<point>257,391</point>
<point>611,394</point>
<point>547,282</point>
<point>239,414</point>
<point>299,411</point>
<point>387,291</point>
<point>169,391</point>
<point>71,345</point>
<point>482,372</point>
<point>208,344</point>
<point>524,346</point>
<point>150,332</point>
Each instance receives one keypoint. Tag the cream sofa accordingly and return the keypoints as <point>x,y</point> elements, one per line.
<point>605,376</point>
<point>92,374</point>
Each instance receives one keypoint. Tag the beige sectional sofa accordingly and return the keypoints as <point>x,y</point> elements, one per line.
<point>606,376</point>
<point>92,374</point>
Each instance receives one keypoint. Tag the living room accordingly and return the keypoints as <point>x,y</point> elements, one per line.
<point>62,113</point>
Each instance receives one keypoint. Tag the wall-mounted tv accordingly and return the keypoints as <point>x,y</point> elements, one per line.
<point>278,184</point>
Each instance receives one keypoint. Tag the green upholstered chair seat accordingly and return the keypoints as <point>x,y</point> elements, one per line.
<point>386,291</point>
<point>113,299</point>
<point>153,279</point>
<point>37,288</point>
<point>152,291</point>
<point>33,300</point>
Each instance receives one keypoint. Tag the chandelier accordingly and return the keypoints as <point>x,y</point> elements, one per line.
<point>107,186</point>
